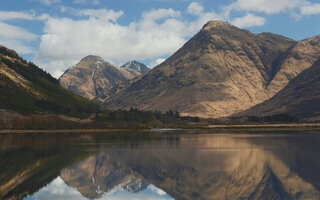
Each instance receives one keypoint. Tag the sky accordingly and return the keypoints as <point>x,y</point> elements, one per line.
<point>58,189</point>
<point>56,34</point>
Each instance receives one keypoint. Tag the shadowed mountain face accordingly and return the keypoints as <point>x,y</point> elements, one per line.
<point>97,80</point>
<point>300,98</point>
<point>222,70</point>
<point>26,88</point>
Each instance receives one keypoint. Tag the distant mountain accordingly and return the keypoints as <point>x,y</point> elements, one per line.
<point>26,88</point>
<point>136,67</point>
<point>299,99</point>
<point>222,70</point>
<point>97,79</point>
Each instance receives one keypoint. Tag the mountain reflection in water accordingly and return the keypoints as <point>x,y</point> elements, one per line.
<point>160,166</point>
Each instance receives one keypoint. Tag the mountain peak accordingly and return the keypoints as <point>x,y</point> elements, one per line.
<point>92,58</point>
<point>137,66</point>
<point>216,24</point>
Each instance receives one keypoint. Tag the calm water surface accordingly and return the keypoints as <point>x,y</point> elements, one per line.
<point>170,164</point>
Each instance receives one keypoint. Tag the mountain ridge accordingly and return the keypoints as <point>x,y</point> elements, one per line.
<point>300,98</point>
<point>220,71</point>
<point>97,79</point>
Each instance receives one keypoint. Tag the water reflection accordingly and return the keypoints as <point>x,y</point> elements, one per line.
<point>161,166</point>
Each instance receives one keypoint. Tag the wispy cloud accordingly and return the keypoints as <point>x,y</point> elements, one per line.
<point>267,6</point>
<point>15,37</point>
<point>94,2</point>
<point>9,15</point>
<point>47,2</point>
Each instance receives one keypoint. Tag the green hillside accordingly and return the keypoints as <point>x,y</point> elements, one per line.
<point>26,88</point>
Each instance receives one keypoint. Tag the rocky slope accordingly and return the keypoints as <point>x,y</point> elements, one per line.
<point>26,88</point>
<point>222,70</point>
<point>96,79</point>
<point>300,98</point>
<point>135,68</point>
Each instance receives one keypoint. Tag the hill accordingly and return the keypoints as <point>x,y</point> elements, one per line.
<point>27,89</point>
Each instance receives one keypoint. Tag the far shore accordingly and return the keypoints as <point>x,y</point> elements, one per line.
<point>214,128</point>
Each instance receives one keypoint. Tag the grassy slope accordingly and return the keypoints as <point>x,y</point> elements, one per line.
<point>51,97</point>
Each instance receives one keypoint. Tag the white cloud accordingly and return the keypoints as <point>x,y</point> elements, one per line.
<point>160,14</point>
<point>47,2</point>
<point>156,62</point>
<point>267,6</point>
<point>158,33</point>
<point>195,8</point>
<point>16,45</point>
<point>94,2</point>
<point>14,32</point>
<point>101,14</point>
<point>310,9</point>
<point>8,15</point>
<point>16,38</point>
<point>248,21</point>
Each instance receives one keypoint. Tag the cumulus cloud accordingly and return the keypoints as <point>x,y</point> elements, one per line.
<point>310,9</point>
<point>158,33</point>
<point>248,21</point>
<point>195,8</point>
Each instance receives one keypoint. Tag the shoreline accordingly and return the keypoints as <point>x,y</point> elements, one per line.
<point>231,127</point>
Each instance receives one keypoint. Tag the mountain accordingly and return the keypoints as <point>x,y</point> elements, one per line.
<point>244,171</point>
<point>136,67</point>
<point>299,99</point>
<point>97,79</point>
<point>297,58</point>
<point>26,88</point>
<point>222,70</point>
<point>99,174</point>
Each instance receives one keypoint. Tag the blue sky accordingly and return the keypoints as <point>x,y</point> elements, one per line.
<point>56,34</point>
